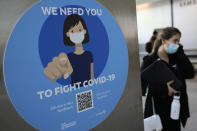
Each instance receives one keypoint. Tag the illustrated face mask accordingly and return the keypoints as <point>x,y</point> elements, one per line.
<point>172,48</point>
<point>77,38</point>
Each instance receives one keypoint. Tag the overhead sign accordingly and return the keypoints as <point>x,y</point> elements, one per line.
<point>183,3</point>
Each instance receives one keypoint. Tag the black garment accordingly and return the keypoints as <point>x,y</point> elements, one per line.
<point>148,47</point>
<point>81,65</point>
<point>169,124</point>
<point>180,65</point>
<point>149,44</point>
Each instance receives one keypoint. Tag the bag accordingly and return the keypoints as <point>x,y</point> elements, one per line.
<point>159,73</point>
<point>153,122</point>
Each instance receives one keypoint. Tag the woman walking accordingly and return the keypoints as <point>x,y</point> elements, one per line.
<point>168,49</point>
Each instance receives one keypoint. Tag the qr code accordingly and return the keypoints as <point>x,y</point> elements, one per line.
<point>84,101</point>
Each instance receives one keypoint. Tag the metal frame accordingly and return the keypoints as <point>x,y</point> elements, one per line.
<point>127,116</point>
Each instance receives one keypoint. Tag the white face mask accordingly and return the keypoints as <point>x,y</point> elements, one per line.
<point>77,38</point>
<point>172,48</point>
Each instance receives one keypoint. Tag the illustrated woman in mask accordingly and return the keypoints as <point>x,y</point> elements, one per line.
<point>168,49</point>
<point>78,64</point>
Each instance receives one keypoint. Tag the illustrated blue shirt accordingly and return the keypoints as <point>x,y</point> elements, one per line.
<point>81,66</point>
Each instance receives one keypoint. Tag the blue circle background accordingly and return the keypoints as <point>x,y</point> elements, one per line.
<point>51,41</point>
<point>24,77</point>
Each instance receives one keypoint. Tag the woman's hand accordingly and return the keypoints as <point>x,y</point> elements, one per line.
<point>171,91</point>
<point>60,65</point>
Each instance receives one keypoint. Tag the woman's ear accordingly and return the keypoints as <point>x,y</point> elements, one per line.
<point>163,41</point>
<point>68,34</point>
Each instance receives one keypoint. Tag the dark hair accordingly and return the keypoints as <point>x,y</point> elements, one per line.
<point>155,32</point>
<point>150,43</point>
<point>165,34</point>
<point>70,22</point>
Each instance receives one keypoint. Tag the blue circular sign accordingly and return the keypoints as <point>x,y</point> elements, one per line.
<point>66,65</point>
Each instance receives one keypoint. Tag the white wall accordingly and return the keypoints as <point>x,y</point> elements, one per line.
<point>151,16</point>
<point>185,19</point>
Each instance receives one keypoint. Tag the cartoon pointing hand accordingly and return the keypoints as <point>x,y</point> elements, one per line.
<point>58,67</point>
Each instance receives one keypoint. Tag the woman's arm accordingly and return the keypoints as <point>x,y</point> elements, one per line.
<point>92,70</point>
<point>184,64</point>
<point>147,60</point>
<point>156,90</point>
<point>69,70</point>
